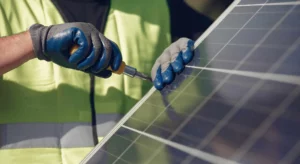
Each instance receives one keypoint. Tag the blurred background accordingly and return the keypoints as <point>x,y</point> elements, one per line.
<point>211,8</point>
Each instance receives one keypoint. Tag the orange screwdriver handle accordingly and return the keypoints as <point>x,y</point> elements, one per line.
<point>119,71</point>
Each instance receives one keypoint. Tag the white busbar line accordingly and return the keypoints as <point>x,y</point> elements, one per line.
<point>271,4</point>
<point>265,76</point>
<point>195,152</point>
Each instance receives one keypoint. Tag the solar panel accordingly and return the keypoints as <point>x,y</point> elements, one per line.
<point>238,101</point>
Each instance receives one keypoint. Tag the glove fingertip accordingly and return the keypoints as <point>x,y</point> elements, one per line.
<point>168,75</point>
<point>178,64</point>
<point>158,84</point>
<point>190,44</point>
<point>158,81</point>
<point>187,56</point>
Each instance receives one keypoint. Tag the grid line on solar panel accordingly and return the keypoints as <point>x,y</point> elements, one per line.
<point>260,61</point>
<point>135,141</point>
<point>128,147</point>
<point>279,47</point>
<point>168,130</point>
<point>115,156</point>
<point>265,125</point>
<point>143,145</point>
<point>265,45</point>
<point>291,155</point>
<point>266,76</point>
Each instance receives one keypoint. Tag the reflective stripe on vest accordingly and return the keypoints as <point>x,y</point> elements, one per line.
<point>49,135</point>
<point>54,135</point>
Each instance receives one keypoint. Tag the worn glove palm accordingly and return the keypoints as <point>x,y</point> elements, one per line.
<point>94,55</point>
<point>172,61</point>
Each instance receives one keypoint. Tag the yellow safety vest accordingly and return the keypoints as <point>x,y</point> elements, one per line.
<point>45,114</point>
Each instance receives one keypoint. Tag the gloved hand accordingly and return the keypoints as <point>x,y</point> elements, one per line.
<point>172,62</point>
<point>94,55</point>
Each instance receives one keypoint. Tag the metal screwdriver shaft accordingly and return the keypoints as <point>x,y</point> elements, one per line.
<point>123,69</point>
<point>132,72</point>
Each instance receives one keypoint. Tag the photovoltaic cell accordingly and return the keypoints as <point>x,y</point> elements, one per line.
<point>236,102</point>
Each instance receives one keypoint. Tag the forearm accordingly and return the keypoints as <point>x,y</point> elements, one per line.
<point>14,51</point>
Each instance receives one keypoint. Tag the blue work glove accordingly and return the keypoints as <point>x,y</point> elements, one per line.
<point>171,62</point>
<point>94,55</point>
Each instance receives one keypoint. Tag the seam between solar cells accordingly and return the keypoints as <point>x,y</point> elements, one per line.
<point>291,155</point>
<point>245,45</point>
<point>291,79</point>
<point>270,4</point>
<point>115,156</point>
<point>138,143</point>
<point>166,129</point>
<point>197,153</point>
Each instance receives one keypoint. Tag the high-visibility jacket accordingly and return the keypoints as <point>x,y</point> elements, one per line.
<point>47,112</point>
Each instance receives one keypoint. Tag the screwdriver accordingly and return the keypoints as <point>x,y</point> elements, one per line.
<point>123,69</point>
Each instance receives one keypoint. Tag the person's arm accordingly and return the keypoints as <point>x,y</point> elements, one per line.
<point>14,51</point>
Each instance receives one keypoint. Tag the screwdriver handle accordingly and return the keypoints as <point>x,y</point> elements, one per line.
<point>119,71</point>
